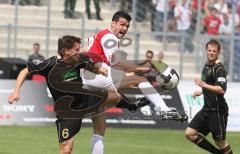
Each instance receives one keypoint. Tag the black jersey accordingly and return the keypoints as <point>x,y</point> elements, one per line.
<point>69,75</point>
<point>214,74</point>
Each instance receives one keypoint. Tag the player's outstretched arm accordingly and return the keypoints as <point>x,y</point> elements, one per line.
<point>14,97</point>
<point>128,67</point>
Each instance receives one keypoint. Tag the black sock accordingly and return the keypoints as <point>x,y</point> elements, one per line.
<point>125,104</point>
<point>205,144</point>
<point>226,150</point>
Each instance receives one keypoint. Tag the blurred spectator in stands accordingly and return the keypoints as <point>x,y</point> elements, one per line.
<point>69,9</point>
<point>156,65</point>
<point>210,4</point>
<point>141,10</point>
<point>238,8</point>
<point>194,5</point>
<point>143,7</point>
<point>203,7</point>
<point>126,5</point>
<point>230,15</point>
<point>150,75</point>
<point>233,2</point>
<point>172,24</point>
<point>236,70</point>
<point>182,15</point>
<point>97,9</point>
<point>226,26</point>
<point>35,57</point>
<point>193,9</point>
<point>212,22</point>
<point>151,8</point>
<point>225,29</point>
<point>237,42</point>
<point>159,64</point>
<point>148,58</point>
<point>160,6</point>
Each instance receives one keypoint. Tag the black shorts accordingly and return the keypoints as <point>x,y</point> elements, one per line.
<point>210,121</point>
<point>67,128</point>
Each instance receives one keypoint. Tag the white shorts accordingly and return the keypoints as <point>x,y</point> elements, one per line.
<point>111,82</point>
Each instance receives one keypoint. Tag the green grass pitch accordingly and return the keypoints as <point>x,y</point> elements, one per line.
<point>39,140</point>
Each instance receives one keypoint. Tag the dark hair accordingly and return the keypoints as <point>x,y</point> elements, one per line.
<point>215,43</point>
<point>67,42</point>
<point>36,44</point>
<point>229,5</point>
<point>149,51</point>
<point>121,14</point>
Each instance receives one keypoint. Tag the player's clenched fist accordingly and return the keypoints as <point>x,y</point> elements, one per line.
<point>199,82</point>
<point>14,97</point>
<point>196,93</point>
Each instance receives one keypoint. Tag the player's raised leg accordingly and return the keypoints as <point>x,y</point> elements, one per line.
<point>147,90</point>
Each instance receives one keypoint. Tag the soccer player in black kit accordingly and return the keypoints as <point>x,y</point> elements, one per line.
<point>214,114</point>
<point>64,81</point>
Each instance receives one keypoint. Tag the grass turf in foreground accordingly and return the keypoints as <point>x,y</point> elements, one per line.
<point>38,140</point>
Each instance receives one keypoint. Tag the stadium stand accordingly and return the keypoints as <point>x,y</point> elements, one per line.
<point>33,22</point>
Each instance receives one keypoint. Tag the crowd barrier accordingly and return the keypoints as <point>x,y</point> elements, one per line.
<point>36,107</point>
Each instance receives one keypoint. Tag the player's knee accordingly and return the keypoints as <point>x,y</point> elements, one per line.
<point>190,134</point>
<point>221,143</point>
<point>99,129</point>
<point>100,132</point>
<point>226,149</point>
<point>66,147</point>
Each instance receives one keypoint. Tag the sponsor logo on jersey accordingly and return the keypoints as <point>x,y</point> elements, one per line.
<point>70,75</point>
<point>221,79</point>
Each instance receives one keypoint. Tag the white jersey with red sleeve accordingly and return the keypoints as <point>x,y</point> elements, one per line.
<point>104,47</point>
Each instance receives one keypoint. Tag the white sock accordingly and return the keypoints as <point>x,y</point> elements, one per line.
<point>153,96</point>
<point>97,144</point>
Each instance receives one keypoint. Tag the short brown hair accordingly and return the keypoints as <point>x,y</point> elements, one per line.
<point>149,52</point>
<point>36,44</point>
<point>67,42</point>
<point>215,43</point>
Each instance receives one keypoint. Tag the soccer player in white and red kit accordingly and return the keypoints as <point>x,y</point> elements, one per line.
<point>103,48</point>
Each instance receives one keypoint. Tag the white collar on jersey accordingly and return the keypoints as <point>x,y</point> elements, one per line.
<point>109,29</point>
<point>217,61</point>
